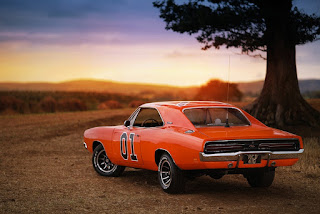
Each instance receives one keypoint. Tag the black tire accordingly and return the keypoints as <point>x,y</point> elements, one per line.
<point>261,178</point>
<point>170,177</point>
<point>103,165</point>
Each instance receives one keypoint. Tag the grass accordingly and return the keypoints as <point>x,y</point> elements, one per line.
<point>309,160</point>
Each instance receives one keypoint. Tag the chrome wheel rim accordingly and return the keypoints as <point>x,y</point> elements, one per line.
<point>103,162</point>
<point>165,173</point>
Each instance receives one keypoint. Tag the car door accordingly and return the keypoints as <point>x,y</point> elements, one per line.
<point>126,146</point>
<point>127,140</point>
<point>150,124</point>
<point>126,143</point>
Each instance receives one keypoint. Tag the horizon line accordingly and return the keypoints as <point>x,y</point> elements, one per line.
<point>132,83</point>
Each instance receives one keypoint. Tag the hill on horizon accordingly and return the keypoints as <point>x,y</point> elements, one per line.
<point>255,87</point>
<point>100,86</point>
<point>249,88</point>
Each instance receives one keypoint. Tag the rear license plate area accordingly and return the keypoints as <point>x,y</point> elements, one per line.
<point>251,159</point>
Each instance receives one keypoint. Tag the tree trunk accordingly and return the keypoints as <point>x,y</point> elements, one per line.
<point>280,103</point>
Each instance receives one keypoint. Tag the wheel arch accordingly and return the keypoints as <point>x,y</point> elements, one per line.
<point>96,143</point>
<point>159,152</point>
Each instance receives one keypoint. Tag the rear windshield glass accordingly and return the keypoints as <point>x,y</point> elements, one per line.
<point>216,117</point>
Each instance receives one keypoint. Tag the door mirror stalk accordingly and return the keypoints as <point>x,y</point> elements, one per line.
<point>126,123</point>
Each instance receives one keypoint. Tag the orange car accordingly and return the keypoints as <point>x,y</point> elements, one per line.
<point>187,139</point>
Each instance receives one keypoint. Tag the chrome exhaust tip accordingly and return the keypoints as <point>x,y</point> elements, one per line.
<point>85,145</point>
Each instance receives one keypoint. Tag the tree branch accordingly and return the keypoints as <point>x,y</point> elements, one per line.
<point>254,55</point>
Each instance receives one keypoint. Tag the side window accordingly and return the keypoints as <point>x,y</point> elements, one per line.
<point>148,117</point>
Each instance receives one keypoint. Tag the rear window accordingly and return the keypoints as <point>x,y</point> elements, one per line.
<point>216,117</point>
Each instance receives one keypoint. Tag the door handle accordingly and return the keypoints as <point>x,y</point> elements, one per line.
<point>137,135</point>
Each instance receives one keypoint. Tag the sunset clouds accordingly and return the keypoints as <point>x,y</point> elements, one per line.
<point>121,40</point>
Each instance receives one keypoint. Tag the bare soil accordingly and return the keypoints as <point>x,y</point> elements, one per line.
<point>44,168</point>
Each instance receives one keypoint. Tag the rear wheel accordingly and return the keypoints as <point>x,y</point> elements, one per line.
<point>103,165</point>
<point>261,177</point>
<point>171,178</point>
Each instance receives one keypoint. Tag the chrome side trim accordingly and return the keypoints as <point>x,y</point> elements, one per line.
<point>235,156</point>
<point>134,114</point>
<point>133,117</point>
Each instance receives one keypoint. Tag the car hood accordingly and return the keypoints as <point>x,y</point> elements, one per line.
<point>244,132</point>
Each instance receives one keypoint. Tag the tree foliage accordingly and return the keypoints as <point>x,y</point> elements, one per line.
<point>255,26</point>
<point>217,90</point>
<point>241,24</point>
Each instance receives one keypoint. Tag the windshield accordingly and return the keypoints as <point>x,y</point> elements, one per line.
<point>216,117</point>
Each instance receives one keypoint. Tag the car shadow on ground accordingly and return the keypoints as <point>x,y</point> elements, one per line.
<point>205,185</point>
<point>141,177</point>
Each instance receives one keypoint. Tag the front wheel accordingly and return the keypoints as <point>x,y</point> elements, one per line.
<point>261,178</point>
<point>103,165</point>
<point>171,178</point>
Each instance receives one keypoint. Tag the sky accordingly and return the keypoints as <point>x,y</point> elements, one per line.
<point>120,40</point>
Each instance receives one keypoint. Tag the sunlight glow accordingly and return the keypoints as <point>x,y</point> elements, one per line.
<point>178,65</point>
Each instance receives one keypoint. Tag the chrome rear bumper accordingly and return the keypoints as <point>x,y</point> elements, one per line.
<point>236,156</point>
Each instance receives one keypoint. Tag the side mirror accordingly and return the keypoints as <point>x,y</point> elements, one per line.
<point>126,123</point>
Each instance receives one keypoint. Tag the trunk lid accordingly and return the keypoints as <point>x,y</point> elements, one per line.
<point>243,132</point>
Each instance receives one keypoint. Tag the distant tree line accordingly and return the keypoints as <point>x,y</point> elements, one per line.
<point>311,94</point>
<point>25,102</point>
<point>306,94</point>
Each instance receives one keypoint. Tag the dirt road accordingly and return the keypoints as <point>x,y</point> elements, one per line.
<point>45,169</point>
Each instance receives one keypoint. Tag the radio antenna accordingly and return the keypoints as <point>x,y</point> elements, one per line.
<point>228,80</point>
<point>227,119</point>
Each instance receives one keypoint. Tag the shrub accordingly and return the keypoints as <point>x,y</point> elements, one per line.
<point>110,104</point>
<point>71,104</point>
<point>48,104</point>
<point>217,90</point>
<point>52,101</point>
<point>11,104</point>
<point>135,103</point>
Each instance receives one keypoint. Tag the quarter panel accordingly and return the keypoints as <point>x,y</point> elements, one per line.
<point>104,136</point>
<point>183,148</point>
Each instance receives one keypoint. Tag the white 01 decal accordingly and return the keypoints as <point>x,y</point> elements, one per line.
<point>124,146</point>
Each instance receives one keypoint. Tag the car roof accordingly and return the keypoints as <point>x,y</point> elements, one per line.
<point>187,104</point>
<point>171,111</point>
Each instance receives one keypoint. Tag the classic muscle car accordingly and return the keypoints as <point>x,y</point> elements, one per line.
<point>183,140</point>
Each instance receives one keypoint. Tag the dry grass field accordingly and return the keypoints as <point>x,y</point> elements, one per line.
<point>44,168</point>
<point>309,162</point>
